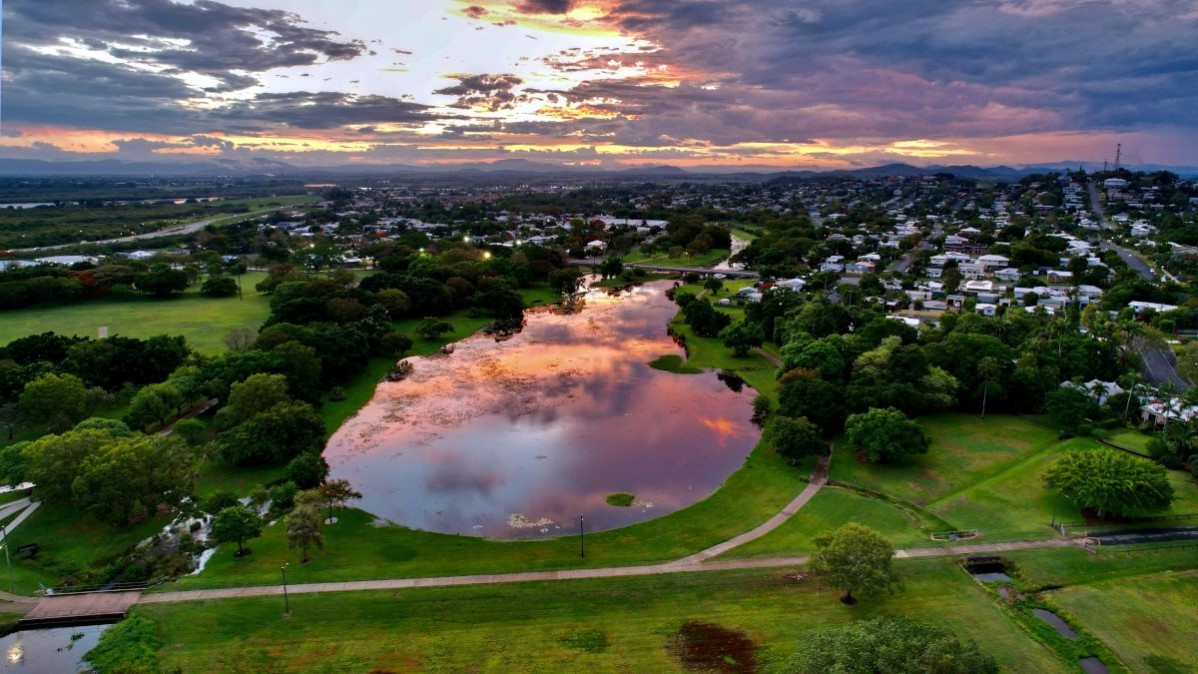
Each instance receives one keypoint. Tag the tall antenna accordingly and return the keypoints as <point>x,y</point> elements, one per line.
<point>1118,154</point>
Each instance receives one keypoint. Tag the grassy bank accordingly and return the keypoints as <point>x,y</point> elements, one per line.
<point>610,625</point>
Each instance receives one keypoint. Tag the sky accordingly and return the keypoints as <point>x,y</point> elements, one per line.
<point>605,83</point>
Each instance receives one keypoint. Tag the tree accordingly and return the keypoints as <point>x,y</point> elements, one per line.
<point>854,557</point>
<point>60,401</point>
<point>253,396</point>
<point>714,285</point>
<point>307,470</point>
<point>278,434</point>
<point>395,301</point>
<point>742,336</point>
<point>894,646</point>
<point>336,493</point>
<point>796,439</point>
<point>236,523</point>
<point>240,340</point>
<point>433,328</point>
<point>191,430</point>
<point>566,281</point>
<point>153,404</point>
<point>1069,408</point>
<point>132,475</point>
<point>885,435</point>
<point>611,267</point>
<point>219,286</point>
<point>303,530</point>
<point>988,369</point>
<point>53,461</point>
<point>162,281</point>
<point>1110,482</point>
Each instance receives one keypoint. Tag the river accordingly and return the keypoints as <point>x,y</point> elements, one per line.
<point>518,438</point>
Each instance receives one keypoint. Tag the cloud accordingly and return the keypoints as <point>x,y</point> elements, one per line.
<point>489,92</point>
<point>544,6</point>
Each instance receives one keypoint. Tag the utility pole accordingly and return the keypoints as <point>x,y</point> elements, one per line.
<point>1118,155</point>
<point>582,536</point>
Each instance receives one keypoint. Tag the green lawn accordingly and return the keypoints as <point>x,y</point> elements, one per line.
<point>828,510</point>
<point>608,625</point>
<point>704,260</point>
<point>987,475</point>
<point>1133,440</point>
<point>1073,566</point>
<point>1148,621</point>
<point>204,321</point>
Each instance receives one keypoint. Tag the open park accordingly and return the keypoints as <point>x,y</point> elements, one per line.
<point>734,559</point>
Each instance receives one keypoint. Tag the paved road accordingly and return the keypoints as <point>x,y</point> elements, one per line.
<point>1134,261</point>
<point>1160,367</point>
<point>170,231</point>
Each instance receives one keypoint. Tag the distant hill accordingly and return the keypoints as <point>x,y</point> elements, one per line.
<point>522,167</point>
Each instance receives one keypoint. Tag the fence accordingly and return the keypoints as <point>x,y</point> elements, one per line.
<point>1130,550</point>
<point>110,587</point>
<point>1138,520</point>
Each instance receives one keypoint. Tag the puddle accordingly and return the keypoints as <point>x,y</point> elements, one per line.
<point>1058,624</point>
<point>1093,665</point>
<point>704,647</point>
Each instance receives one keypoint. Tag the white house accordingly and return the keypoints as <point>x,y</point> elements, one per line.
<point>1010,274</point>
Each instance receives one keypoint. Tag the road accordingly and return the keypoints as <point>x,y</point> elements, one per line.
<point>1160,367</point>
<point>1134,261</point>
<point>1095,204</point>
<point>170,231</point>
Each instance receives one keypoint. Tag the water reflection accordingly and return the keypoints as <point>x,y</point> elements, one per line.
<point>519,437</point>
<point>59,649</point>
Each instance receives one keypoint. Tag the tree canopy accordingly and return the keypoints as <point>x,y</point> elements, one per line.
<point>1111,482</point>
<point>854,558</point>
<point>894,646</point>
<point>885,435</point>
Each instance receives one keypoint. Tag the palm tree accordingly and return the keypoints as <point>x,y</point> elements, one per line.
<point>988,368</point>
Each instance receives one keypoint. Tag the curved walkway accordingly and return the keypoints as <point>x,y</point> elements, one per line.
<point>696,562</point>
<point>571,574</point>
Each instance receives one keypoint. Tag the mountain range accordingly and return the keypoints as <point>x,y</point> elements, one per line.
<point>519,167</point>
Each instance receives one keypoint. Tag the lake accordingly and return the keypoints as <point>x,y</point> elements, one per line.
<point>59,649</point>
<point>518,438</point>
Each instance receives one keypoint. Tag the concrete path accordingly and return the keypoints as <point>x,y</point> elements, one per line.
<point>23,516</point>
<point>819,477</point>
<point>74,608</point>
<point>571,574</point>
<point>9,508</point>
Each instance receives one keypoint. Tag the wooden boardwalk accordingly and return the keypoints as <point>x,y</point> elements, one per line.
<point>80,609</point>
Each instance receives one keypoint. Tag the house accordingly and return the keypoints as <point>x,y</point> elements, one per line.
<point>971,270</point>
<point>596,246</point>
<point>1099,391</point>
<point>1114,184</point>
<point>986,309</point>
<point>990,263</point>
<point>934,272</point>
<point>978,286</point>
<point>1138,306</point>
<point>795,284</point>
<point>1060,276</point>
<point>1160,412</point>
<point>1010,274</point>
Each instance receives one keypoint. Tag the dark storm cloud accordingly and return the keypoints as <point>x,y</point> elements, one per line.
<point>206,37</point>
<point>875,67</point>
<point>325,110</point>
<point>544,6</point>
<point>492,92</point>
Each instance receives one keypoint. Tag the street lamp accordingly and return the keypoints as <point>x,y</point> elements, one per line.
<point>7,559</point>
<point>487,255</point>
<point>286,603</point>
<point>582,538</point>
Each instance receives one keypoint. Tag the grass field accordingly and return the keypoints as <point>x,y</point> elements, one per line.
<point>204,321</point>
<point>1148,621</point>
<point>831,508</point>
<point>708,259</point>
<point>987,475</point>
<point>611,625</point>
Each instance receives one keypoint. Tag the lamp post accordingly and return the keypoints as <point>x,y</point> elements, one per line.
<point>582,538</point>
<point>7,559</point>
<point>286,603</point>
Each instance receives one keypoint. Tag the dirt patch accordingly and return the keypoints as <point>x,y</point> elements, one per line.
<point>704,647</point>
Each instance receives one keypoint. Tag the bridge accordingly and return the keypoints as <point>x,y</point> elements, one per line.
<point>702,271</point>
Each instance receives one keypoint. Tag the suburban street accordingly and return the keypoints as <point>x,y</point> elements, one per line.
<point>1160,368</point>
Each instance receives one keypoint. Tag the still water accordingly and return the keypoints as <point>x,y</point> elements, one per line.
<point>518,438</point>
<point>59,650</point>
